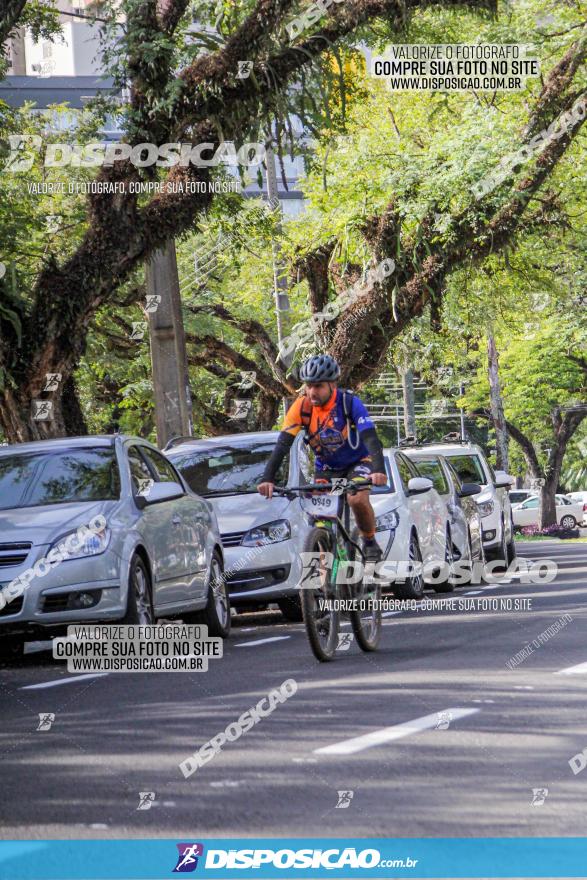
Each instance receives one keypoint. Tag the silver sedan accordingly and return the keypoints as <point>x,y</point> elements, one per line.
<point>97,529</point>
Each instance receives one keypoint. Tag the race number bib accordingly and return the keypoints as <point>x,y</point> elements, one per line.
<point>320,505</point>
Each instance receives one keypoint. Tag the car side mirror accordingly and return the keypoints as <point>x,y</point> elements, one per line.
<point>469,489</point>
<point>159,492</point>
<point>503,480</point>
<point>417,485</point>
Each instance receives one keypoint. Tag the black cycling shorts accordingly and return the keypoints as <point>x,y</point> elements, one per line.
<point>362,469</point>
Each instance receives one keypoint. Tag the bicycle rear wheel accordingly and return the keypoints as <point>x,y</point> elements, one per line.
<point>366,622</point>
<point>321,623</point>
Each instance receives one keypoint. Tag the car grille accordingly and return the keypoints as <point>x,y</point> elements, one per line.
<point>13,607</point>
<point>68,601</point>
<point>55,603</point>
<point>13,554</point>
<point>254,580</point>
<point>232,539</point>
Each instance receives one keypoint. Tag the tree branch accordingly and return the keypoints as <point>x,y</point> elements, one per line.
<point>523,442</point>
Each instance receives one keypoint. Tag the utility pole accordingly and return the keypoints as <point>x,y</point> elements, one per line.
<point>407,377</point>
<point>280,287</point>
<point>173,404</point>
<point>496,405</point>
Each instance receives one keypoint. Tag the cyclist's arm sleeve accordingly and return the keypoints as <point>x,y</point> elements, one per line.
<point>368,433</point>
<point>292,425</point>
<point>282,447</point>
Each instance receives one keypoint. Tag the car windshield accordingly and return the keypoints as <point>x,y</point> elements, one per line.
<point>36,478</point>
<point>469,468</point>
<point>230,468</point>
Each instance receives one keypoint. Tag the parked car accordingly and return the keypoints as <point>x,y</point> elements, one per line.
<point>568,513</point>
<point>463,512</point>
<point>519,495</point>
<point>582,498</point>
<point>413,524</point>
<point>261,537</point>
<point>577,496</point>
<point>494,505</point>
<point>159,554</point>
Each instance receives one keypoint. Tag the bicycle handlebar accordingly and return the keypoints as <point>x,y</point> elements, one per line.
<point>352,486</point>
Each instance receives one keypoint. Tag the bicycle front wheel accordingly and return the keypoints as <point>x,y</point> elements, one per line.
<point>317,589</point>
<point>366,621</point>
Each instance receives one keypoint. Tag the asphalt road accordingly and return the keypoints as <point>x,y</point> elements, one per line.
<point>481,736</point>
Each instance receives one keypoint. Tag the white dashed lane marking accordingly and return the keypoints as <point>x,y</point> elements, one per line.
<point>59,681</point>
<point>581,669</point>
<point>389,734</point>
<point>261,641</point>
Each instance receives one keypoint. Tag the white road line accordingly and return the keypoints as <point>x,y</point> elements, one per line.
<point>35,647</point>
<point>473,593</point>
<point>581,669</point>
<point>388,734</point>
<point>391,613</point>
<point>52,684</point>
<point>261,641</point>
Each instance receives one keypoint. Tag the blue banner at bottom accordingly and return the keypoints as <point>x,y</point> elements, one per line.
<point>260,858</point>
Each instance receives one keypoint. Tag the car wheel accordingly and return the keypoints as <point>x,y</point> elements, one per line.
<point>568,521</point>
<point>216,614</point>
<point>511,547</point>
<point>11,650</point>
<point>139,607</point>
<point>413,588</point>
<point>477,565</point>
<point>291,609</point>
<point>501,553</point>
<point>446,586</point>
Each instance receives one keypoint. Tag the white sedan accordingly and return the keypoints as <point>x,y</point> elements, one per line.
<point>412,525</point>
<point>581,497</point>
<point>568,513</point>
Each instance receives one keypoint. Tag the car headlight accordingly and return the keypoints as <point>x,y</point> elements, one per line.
<point>486,508</point>
<point>387,522</point>
<point>79,544</point>
<point>269,533</point>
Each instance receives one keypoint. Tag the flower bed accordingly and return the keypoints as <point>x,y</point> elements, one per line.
<point>554,531</point>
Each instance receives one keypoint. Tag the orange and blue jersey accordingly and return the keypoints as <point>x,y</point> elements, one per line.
<point>327,429</point>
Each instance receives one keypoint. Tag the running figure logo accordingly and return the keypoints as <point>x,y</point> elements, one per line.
<point>46,719</point>
<point>344,641</point>
<point>539,795</point>
<point>344,800</point>
<point>188,857</point>
<point>146,800</point>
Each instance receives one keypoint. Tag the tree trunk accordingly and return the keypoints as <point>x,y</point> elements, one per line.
<point>73,416</point>
<point>267,411</point>
<point>545,480</point>
<point>496,405</point>
<point>548,502</point>
<point>24,418</point>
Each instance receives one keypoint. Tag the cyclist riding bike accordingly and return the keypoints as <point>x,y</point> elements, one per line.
<point>338,428</point>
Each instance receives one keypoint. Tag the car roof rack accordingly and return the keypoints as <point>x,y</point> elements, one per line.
<point>410,441</point>
<point>454,437</point>
<point>175,441</point>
